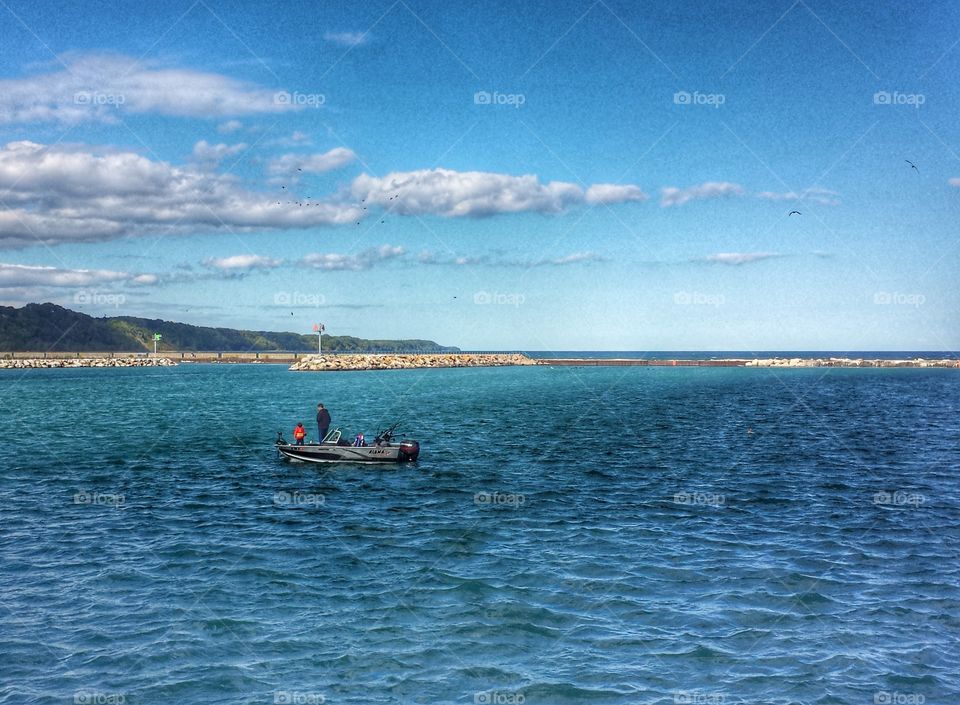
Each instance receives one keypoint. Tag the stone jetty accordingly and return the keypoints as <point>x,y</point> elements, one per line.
<point>778,362</point>
<point>849,362</point>
<point>45,363</point>
<point>317,363</point>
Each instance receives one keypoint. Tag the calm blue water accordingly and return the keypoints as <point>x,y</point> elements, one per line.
<point>604,535</point>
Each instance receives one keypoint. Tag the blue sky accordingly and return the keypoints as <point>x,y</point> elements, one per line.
<point>569,175</point>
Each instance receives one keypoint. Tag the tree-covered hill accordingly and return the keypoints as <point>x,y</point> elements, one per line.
<point>48,327</point>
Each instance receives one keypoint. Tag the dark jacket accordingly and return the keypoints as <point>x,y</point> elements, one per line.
<point>323,418</point>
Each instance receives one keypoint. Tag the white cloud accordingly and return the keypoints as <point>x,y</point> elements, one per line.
<point>821,196</point>
<point>229,127</point>
<point>242,263</point>
<point>954,181</point>
<point>576,258</point>
<point>97,86</point>
<point>614,193</point>
<point>347,39</point>
<point>736,258</point>
<point>464,193</point>
<point>363,260</point>
<point>77,194</point>
<point>311,163</point>
<point>210,155</point>
<point>672,196</point>
<point>427,257</point>
<point>21,275</point>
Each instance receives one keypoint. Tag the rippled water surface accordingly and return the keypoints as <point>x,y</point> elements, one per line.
<point>594,535</point>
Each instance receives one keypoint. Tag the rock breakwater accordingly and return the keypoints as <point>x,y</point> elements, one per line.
<point>317,363</point>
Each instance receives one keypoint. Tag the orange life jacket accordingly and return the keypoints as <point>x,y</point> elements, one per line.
<point>299,432</point>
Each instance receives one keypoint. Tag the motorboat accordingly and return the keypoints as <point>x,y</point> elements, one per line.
<point>334,448</point>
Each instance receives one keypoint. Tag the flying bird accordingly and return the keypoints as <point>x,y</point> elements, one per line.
<point>795,213</point>
<point>912,165</point>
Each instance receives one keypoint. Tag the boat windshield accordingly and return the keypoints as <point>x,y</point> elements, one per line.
<point>332,436</point>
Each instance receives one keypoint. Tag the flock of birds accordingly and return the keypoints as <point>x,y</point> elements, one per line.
<point>364,200</point>
<point>301,204</point>
<point>912,166</point>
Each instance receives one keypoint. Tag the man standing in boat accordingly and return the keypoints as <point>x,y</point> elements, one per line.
<point>323,421</point>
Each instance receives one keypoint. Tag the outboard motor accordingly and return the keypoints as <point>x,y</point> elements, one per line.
<point>409,450</point>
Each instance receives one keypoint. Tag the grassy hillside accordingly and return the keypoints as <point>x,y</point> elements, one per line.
<point>48,327</point>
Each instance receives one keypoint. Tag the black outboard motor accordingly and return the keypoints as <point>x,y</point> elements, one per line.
<point>409,450</point>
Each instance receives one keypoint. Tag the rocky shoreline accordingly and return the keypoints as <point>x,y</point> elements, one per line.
<point>849,362</point>
<point>317,363</point>
<point>56,363</point>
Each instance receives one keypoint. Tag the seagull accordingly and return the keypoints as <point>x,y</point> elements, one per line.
<point>912,165</point>
<point>795,213</point>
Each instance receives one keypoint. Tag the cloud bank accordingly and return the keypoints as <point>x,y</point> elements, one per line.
<point>479,194</point>
<point>101,86</point>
